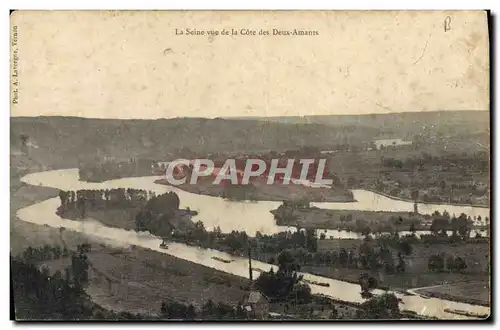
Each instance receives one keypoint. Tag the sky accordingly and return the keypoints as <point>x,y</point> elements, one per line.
<point>135,65</point>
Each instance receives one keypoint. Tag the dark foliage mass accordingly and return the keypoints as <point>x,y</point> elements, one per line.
<point>157,214</point>
<point>39,295</point>
<point>109,170</point>
<point>84,200</point>
<point>285,283</point>
<point>385,306</point>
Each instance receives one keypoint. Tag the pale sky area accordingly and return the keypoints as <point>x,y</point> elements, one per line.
<point>133,65</point>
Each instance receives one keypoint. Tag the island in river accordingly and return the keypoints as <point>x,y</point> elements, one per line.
<point>259,190</point>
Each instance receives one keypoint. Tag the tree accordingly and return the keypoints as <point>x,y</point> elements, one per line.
<point>463,224</point>
<point>343,257</point>
<point>240,312</point>
<point>208,308</point>
<point>385,306</point>
<point>460,264</point>
<point>367,283</point>
<point>302,292</point>
<point>401,267</point>
<point>388,262</point>
<point>285,283</point>
<point>405,247</point>
<point>450,263</point>
<point>334,314</point>
<point>439,225</point>
<point>142,220</point>
<point>442,185</point>
<point>311,240</point>
<point>412,229</point>
<point>24,140</point>
<point>436,263</point>
<point>44,297</point>
<point>287,263</point>
<point>367,256</point>
<point>199,230</point>
<point>63,195</point>
<point>191,312</point>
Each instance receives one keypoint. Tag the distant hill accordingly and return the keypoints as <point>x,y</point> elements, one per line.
<point>63,141</point>
<point>402,123</point>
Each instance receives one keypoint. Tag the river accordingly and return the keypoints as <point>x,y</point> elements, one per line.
<point>230,215</point>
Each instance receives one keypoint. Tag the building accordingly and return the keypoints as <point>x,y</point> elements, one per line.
<point>256,305</point>
<point>391,143</point>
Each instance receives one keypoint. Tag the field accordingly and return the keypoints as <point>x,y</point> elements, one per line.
<point>138,280</point>
<point>471,292</point>
<point>417,275</point>
<point>398,282</point>
<point>476,256</point>
<point>344,311</point>
<point>465,170</point>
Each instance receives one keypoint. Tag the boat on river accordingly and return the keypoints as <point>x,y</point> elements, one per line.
<point>163,245</point>
<point>464,313</point>
<point>255,269</point>
<point>222,260</point>
<point>317,283</point>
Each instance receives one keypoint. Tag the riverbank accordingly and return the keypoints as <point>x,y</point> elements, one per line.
<point>347,220</point>
<point>24,234</point>
<point>419,201</point>
<point>362,222</point>
<point>470,292</point>
<point>405,282</point>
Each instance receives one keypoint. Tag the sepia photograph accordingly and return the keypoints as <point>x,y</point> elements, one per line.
<point>209,166</point>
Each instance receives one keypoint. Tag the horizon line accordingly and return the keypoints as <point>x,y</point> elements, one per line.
<point>252,116</point>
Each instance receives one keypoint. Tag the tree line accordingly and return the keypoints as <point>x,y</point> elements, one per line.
<point>460,226</point>
<point>94,199</point>
<point>441,263</point>
<point>302,246</point>
<point>109,170</point>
